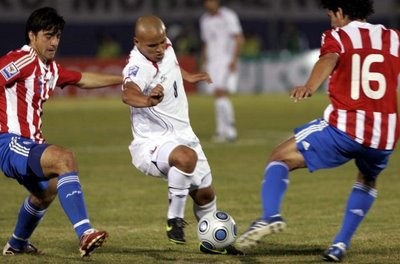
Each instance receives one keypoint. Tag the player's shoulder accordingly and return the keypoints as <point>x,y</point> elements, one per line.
<point>135,57</point>
<point>137,62</point>
<point>20,57</point>
<point>227,11</point>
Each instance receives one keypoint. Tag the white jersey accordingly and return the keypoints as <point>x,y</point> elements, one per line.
<point>217,31</point>
<point>171,116</point>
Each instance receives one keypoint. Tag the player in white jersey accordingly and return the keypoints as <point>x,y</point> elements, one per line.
<point>164,143</point>
<point>221,34</point>
<point>28,77</point>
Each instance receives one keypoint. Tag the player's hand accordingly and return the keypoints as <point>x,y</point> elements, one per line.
<point>300,92</point>
<point>156,95</point>
<point>197,77</point>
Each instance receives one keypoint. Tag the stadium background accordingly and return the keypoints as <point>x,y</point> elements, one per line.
<point>132,207</point>
<point>269,66</point>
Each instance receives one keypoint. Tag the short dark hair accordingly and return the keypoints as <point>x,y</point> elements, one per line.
<point>355,9</point>
<point>45,18</point>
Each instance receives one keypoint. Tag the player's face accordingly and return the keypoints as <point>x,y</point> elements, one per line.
<point>211,6</point>
<point>45,43</point>
<point>152,47</point>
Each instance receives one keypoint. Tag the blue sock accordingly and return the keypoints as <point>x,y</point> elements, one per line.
<point>28,218</point>
<point>72,201</point>
<point>360,201</point>
<point>276,180</point>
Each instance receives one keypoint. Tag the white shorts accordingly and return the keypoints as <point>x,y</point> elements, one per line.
<point>222,77</point>
<point>146,154</point>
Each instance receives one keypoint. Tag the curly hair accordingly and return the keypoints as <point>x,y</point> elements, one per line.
<point>355,9</point>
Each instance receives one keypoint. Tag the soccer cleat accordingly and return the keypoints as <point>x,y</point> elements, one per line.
<point>335,253</point>
<point>91,240</point>
<point>229,250</point>
<point>175,231</point>
<point>258,229</point>
<point>28,249</point>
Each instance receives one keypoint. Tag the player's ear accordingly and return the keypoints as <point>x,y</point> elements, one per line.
<point>135,41</point>
<point>339,13</point>
<point>31,36</point>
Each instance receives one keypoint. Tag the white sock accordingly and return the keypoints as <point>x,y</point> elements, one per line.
<point>202,210</point>
<point>219,116</point>
<point>178,190</point>
<point>225,118</point>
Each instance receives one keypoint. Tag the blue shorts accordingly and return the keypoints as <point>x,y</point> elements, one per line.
<point>324,146</point>
<point>20,160</point>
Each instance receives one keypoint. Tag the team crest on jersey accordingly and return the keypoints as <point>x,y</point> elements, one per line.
<point>9,71</point>
<point>133,70</point>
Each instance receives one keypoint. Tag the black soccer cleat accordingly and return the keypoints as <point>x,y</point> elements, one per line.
<point>229,250</point>
<point>175,231</point>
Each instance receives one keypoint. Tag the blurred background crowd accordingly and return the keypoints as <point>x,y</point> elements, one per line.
<point>274,30</point>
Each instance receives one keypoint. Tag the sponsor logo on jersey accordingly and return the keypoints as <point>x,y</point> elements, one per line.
<point>133,70</point>
<point>9,71</point>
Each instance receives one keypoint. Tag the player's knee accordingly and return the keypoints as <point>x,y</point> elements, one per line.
<point>64,161</point>
<point>186,160</point>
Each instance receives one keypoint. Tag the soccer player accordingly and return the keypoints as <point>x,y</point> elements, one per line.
<point>221,34</point>
<point>28,77</point>
<point>164,143</point>
<point>361,122</point>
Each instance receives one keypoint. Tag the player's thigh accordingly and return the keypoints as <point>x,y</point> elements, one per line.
<point>18,161</point>
<point>232,82</point>
<point>288,153</point>
<point>219,73</point>
<point>323,146</point>
<point>152,156</point>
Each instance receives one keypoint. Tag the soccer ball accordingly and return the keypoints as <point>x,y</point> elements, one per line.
<point>217,230</point>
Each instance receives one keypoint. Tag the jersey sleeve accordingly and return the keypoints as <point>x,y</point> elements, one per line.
<point>234,26</point>
<point>67,77</point>
<point>139,73</point>
<point>329,44</point>
<point>9,71</point>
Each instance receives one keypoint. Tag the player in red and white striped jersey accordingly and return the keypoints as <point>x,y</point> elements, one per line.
<point>362,61</point>
<point>28,77</point>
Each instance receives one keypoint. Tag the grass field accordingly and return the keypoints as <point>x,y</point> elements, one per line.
<point>132,207</point>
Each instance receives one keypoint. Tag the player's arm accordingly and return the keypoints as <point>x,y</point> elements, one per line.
<point>90,80</point>
<point>239,41</point>
<point>132,95</point>
<point>320,72</point>
<point>203,56</point>
<point>195,77</point>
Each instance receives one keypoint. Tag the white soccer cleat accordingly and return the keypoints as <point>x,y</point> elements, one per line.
<point>259,229</point>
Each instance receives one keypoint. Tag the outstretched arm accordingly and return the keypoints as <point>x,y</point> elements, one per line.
<point>92,80</point>
<point>195,77</point>
<point>321,71</point>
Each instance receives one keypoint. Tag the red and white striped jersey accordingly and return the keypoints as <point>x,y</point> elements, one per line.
<point>25,84</point>
<point>363,86</point>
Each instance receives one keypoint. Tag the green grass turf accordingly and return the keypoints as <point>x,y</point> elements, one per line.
<point>132,207</point>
